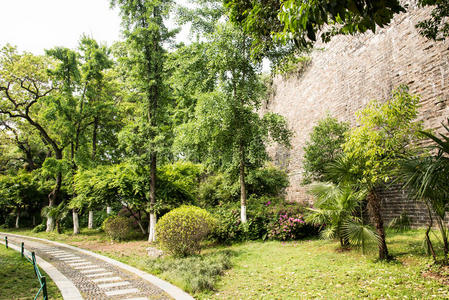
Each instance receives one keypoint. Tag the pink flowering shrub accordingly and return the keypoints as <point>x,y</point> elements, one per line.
<point>287,227</point>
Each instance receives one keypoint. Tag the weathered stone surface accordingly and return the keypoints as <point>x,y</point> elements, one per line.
<point>345,74</point>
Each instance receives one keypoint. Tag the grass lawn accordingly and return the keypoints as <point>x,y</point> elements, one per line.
<point>300,270</point>
<point>17,278</point>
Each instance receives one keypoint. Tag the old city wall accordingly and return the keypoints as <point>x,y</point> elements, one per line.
<point>345,74</point>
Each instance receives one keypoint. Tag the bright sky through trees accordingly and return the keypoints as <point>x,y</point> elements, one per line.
<point>35,25</point>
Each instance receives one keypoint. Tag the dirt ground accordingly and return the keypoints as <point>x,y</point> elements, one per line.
<point>132,248</point>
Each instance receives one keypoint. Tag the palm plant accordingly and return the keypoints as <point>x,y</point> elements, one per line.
<point>427,178</point>
<point>337,206</point>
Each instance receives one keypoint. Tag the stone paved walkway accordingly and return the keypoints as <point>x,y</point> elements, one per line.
<point>95,278</point>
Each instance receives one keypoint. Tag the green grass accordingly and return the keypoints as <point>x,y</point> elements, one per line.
<point>298,270</point>
<point>17,278</point>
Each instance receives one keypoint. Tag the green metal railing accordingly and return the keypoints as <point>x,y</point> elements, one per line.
<point>31,257</point>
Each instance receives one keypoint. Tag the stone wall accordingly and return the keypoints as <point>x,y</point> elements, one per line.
<point>345,74</point>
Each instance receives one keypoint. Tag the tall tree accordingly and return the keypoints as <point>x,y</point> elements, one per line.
<point>376,146</point>
<point>69,106</point>
<point>227,128</point>
<point>144,29</point>
<point>26,89</point>
<point>94,60</point>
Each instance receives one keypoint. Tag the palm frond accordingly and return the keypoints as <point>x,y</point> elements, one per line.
<point>359,233</point>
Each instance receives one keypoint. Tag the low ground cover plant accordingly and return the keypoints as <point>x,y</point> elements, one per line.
<point>194,274</point>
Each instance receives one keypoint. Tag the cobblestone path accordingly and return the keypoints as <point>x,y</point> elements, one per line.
<point>95,278</point>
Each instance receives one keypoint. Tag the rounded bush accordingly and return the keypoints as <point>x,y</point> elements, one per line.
<point>118,227</point>
<point>181,231</point>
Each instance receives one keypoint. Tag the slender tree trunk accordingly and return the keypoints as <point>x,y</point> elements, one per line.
<point>17,217</point>
<point>137,218</point>
<point>376,218</point>
<point>90,222</point>
<point>94,139</point>
<point>242,185</point>
<point>152,223</point>
<point>52,198</point>
<point>34,221</point>
<point>108,210</point>
<point>76,224</point>
<point>429,227</point>
<point>443,232</point>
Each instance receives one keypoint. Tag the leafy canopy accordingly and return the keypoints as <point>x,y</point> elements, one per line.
<point>384,133</point>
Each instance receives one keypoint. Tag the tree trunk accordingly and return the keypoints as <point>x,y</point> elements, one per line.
<point>94,139</point>
<point>34,221</point>
<point>76,224</point>
<point>242,185</point>
<point>52,198</point>
<point>17,218</point>
<point>429,227</point>
<point>152,228</point>
<point>108,210</point>
<point>152,223</point>
<point>90,222</point>
<point>443,232</point>
<point>376,218</point>
<point>137,218</point>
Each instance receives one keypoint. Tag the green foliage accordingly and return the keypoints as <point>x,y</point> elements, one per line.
<point>267,181</point>
<point>221,188</point>
<point>195,273</point>
<point>271,23</point>
<point>400,223</point>
<point>426,176</point>
<point>385,132</point>
<point>267,217</point>
<point>336,207</point>
<point>39,228</point>
<point>214,190</point>
<point>21,192</point>
<point>324,147</point>
<point>226,131</point>
<point>128,183</point>
<point>436,26</point>
<point>292,64</point>
<point>117,227</point>
<point>58,213</point>
<point>181,231</point>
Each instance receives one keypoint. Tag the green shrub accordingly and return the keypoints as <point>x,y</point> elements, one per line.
<point>117,227</point>
<point>193,274</point>
<point>267,217</point>
<point>215,190</point>
<point>267,181</point>
<point>39,228</point>
<point>324,146</point>
<point>221,189</point>
<point>181,231</point>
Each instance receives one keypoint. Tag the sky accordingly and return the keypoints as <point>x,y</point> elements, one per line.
<point>35,25</point>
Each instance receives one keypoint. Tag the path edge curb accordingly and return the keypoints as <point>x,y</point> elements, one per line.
<point>68,290</point>
<point>167,287</point>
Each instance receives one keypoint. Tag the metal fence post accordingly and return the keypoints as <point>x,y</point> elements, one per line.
<point>44,288</point>
<point>33,258</point>
<point>22,248</point>
<point>6,242</point>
